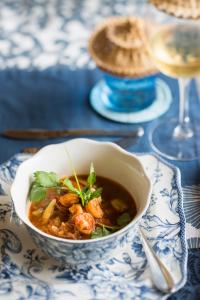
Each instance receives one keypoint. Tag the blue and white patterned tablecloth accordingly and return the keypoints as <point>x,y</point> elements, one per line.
<point>45,79</point>
<point>46,33</point>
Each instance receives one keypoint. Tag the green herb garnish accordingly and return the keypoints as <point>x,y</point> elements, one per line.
<point>111,228</point>
<point>46,179</point>
<point>87,193</point>
<point>104,229</point>
<point>70,186</point>
<point>42,181</point>
<point>37,193</point>
<point>100,232</point>
<point>124,219</point>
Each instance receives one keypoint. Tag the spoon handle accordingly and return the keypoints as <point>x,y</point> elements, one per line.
<point>161,277</point>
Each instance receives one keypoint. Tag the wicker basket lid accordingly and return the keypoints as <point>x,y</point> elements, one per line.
<point>118,47</point>
<point>187,9</point>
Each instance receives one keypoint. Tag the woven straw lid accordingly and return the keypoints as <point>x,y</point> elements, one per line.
<point>118,47</point>
<point>187,9</point>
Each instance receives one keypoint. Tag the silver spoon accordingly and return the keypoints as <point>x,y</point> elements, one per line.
<point>161,277</point>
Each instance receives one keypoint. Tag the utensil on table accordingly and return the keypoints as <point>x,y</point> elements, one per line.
<point>47,134</point>
<point>161,277</point>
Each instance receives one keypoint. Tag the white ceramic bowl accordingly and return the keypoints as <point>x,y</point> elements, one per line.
<point>110,161</point>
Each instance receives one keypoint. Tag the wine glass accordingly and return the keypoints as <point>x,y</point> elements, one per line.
<point>174,46</point>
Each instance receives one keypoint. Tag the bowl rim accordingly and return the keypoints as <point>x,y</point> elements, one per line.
<point>121,231</point>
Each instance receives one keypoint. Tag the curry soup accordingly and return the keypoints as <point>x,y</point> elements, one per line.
<point>79,207</point>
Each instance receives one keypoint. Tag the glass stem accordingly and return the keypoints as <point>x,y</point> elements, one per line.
<point>183,129</point>
<point>183,100</point>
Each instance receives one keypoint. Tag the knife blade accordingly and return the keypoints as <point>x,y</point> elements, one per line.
<point>48,134</point>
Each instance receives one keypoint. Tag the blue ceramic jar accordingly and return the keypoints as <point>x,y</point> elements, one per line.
<point>128,94</point>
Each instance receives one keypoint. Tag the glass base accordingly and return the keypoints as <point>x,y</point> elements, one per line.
<point>165,141</point>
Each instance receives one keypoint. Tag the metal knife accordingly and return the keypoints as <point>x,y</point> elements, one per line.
<point>48,134</point>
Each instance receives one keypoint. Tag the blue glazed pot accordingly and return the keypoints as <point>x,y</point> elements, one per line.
<point>128,94</point>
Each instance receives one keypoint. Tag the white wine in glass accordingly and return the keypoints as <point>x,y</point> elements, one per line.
<point>175,50</point>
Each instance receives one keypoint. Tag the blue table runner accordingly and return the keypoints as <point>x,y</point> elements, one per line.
<point>59,98</point>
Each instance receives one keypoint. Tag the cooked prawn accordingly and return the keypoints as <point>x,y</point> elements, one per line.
<point>94,208</point>
<point>76,209</point>
<point>84,223</point>
<point>68,199</point>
